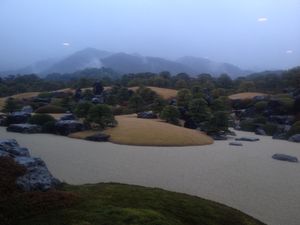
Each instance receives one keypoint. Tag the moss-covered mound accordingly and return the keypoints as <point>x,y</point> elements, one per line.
<point>116,204</point>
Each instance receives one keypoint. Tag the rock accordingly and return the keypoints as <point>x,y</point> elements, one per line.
<point>284,157</point>
<point>18,117</point>
<point>98,137</point>
<point>147,115</point>
<point>288,120</point>
<point>280,136</point>
<point>219,137</point>
<point>24,128</point>
<point>260,131</point>
<point>66,127</point>
<point>27,109</point>
<point>231,133</point>
<point>37,176</point>
<point>236,144</point>
<point>295,138</point>
<point>68,117</point>
<point>247,139</point>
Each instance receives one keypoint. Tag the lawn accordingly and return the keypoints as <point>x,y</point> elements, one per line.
<point>245,95</point>
<point>153,132</point>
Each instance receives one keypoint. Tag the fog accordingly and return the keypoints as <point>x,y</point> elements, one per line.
<point>252,34</point>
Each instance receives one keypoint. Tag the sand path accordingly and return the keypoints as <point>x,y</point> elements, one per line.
<point>246,178</point>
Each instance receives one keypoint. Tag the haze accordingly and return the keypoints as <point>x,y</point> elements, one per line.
<point>256,34</point>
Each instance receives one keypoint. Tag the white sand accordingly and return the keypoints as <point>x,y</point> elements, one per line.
<point>246,178</point>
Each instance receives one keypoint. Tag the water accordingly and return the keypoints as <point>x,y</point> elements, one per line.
<point>246,178</point>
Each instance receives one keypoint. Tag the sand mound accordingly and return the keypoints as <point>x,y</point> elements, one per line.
<point>146,132</point>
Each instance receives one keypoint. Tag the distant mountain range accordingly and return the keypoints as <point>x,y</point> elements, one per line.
<point>129,63</point>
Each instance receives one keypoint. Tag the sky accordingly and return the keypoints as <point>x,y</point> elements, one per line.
<point>252,34</point>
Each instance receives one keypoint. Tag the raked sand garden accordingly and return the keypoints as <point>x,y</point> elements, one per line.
<point>246,178</point>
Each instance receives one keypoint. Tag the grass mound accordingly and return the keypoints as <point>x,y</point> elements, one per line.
<point>165,93</point>
<point>149,132</point>
<point>111,204</point>
<point>245,95</point>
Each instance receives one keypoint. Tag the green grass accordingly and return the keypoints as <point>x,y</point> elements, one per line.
<point>118,204</point>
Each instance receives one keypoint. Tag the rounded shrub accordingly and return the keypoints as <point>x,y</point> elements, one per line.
<point>247,125</point>
<point>41,119</point>
<point>50,109</point>
<point>271,128</point>
<point>295,129</point>
<point>261,106</point>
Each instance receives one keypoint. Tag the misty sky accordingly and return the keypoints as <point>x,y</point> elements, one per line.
<point>253,34</point>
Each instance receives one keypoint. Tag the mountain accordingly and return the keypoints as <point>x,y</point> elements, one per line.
<point>124,63</point>
<point>204,65</point>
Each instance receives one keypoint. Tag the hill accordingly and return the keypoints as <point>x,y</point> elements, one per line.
<point>128,63</point>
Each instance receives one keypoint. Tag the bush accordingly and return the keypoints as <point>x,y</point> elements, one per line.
<point>41,119</point>
<point>248,125</point>
<point>184,96</point>
<point>270,128</point>
<point>261,106</point>
<point>82,109</point>
<point>101,115</point>
<point>295,129</point>
<point>199,110</point>
<point>259,120</point>
<point>11,105</point>
<point>218,122</point>
<point>50,109</point>
<point>136,103</point>
<point>171,114</point>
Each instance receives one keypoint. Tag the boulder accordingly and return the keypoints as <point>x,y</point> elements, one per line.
<point>295,138</point>
<point>247,139</point>
<point>284,157</point>
<point>24,128</point>
<point>147,115</point>
<point>260,131</point>
<point>18,117</point>
<point>68,117</point>
<point>236,144</point>
<point>280,136</point>
<point>37,177</point>
<point>10,147</point>
<point>66,127</point>
<point>27,109</point>
<point>98,137</point>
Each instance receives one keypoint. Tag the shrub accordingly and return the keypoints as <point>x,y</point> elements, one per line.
<point>295,129</point>
<point>218,122</point>
<point>261,106</point>
<point>171,114</point>
<point>50,109</point>
<point>11,105</point>
<point>41,119</point>
<point>101,115</point>
<point>184,96</point>
<point>198,110</point>
<point>82,109</point>
<point>270,128</point>
<point>260,120</point>
<point>147,94</point>
<point>247,125</point>
<point>136,103</point>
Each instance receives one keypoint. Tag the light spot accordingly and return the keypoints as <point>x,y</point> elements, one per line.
<point>262,19</point>
<point>289,51</point>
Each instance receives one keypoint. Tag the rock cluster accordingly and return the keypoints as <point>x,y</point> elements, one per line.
<point>37,176</point>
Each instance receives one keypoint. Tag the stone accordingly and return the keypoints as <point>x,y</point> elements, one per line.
<point>219,137</point>
<point>247,139</point>
<point>66,127</point>
<point>37,176</point>
<point>295,138</point>
<point>280,136</point>
<point>260,131</point>
<point>24,128</point>
<point>27,109</point>
<point>284,157</point>
<point>147,115</point>
<point>98,137</point>
<point>68,117</point>
<point>236,144</point>
<point>18,117</point>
